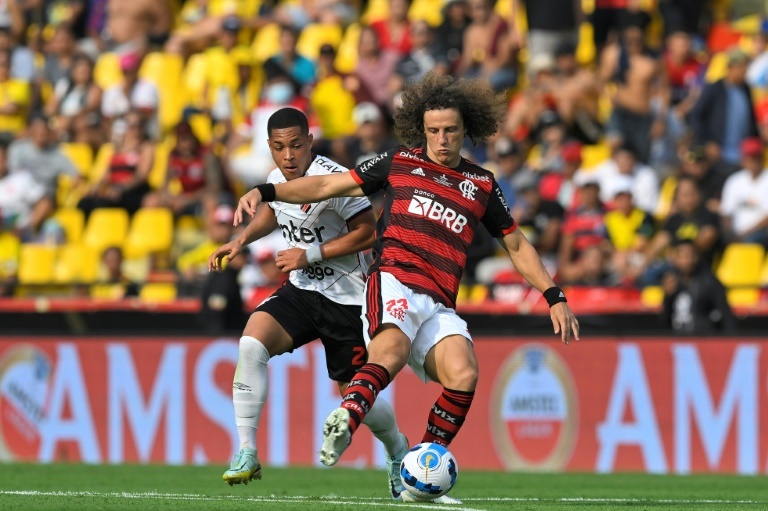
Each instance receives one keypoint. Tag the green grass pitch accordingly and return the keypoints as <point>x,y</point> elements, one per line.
<point>90,487</point>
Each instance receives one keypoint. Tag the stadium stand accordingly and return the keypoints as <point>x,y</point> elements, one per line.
<point>574,102</point>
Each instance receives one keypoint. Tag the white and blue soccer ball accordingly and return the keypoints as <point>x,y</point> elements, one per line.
<point>429,471</point>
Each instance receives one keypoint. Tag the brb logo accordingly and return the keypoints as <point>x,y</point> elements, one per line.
<point>430,208</point>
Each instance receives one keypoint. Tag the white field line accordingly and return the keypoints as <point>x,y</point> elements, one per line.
<point>325,500</point>
<point>371,501</point>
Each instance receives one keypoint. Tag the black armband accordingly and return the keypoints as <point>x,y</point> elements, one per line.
<point>267,192</point>
<point>554,295</point>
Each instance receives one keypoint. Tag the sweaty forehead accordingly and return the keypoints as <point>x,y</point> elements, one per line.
<point>286,135</point>
<point>442,118</point>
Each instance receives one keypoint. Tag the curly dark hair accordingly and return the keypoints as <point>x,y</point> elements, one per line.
<point>482,109</point>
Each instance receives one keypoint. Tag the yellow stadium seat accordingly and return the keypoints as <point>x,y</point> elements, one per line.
<point>314,35</point>
<point>741,265</point>
<point>430,11</point>
<point>346,55</point>
<point>585,50</point>
<point>333,105</point>
<point>220,69</point>
<point>158,292</point>
<point>164,70</point>
<point>479,293</point>
<point>107,291</point>
<point>68,192</point>
<point>764,274</point>
<point>652,296</point>
<point>36,264</point>
<point>156,177</point>
<point>377,10</point>
<point>77,263</point>
<point>748,24</point>
<point>594,155</point>
<point>267,42</point>
<point>241,8</point>
<point>106,227</point>
<point>72,221</point>
<point>747,297</point>
<point>151,231</point>
<point>106,72</point>
<point>666,198</point>
<point>101,163</point>
<point>80,154</point>
<point>718,66</point>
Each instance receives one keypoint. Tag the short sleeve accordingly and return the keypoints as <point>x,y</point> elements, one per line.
<point>497,218</point>
<point>349,207</point>
<point>372,174</point>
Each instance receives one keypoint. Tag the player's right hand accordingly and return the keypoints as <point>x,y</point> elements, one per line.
<point>248,203</point>
<point>225,252</point>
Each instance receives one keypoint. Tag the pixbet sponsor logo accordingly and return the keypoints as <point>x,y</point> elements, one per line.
<point>434,210</point>
<point>476,177</point>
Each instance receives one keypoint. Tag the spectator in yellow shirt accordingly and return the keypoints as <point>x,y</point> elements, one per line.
<point>14,97</point>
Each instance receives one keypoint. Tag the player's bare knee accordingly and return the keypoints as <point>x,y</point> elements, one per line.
<point>466,379</point>
<point>460,375</point>
<point>263,327</point>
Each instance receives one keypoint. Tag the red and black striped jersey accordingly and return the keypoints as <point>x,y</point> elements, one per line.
<point>429,217</point>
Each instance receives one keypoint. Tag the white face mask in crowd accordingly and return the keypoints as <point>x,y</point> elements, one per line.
<point>279,93</point>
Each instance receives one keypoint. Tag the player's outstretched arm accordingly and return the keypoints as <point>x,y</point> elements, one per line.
<point>300,191</point>
<point>263,223</point>
<point>528,263</point>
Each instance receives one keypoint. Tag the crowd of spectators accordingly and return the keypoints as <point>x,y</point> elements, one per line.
<point>623,141</point>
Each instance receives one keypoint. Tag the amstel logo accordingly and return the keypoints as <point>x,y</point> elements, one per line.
<point>25,377</point>
<point>534,410</point>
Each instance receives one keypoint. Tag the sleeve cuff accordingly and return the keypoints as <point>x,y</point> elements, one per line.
<point>511,229</point>
<point>358,213</point>
<point>356,177</point>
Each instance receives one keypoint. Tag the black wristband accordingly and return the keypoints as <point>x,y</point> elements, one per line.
<point>267,192</point>
<point>554,295</point>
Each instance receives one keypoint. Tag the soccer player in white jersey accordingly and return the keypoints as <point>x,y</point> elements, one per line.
<point>322,298</point>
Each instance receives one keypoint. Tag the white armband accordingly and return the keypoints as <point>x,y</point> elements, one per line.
<point>313,254</point>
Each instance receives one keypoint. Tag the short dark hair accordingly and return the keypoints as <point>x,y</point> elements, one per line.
<point>288,117</point>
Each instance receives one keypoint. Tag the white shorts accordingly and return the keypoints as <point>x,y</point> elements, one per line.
<point>417,315</point>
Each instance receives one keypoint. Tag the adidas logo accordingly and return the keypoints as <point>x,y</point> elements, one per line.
<point>418,171</point>
<point>562,295</point>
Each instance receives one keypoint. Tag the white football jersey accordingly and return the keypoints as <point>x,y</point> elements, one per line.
<point>341,279</point>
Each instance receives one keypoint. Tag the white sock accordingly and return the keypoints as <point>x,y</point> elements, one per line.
<point>381,421</point>
<point>249,389</point>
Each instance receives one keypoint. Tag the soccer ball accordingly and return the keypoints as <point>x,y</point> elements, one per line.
<point>429,471</point>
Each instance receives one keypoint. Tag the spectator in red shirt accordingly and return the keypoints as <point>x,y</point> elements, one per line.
<point>583,227</point>
<point>395,31</point>
<point>196,171</point>
<point>559,186</point>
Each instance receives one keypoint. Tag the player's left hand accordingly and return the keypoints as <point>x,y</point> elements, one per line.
<point>248,203</point>
<point>291,259</point>
<point>564,321</point>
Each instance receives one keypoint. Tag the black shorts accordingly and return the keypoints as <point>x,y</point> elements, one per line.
<point>308,315</point>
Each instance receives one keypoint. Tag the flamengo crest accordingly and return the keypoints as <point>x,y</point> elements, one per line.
<point>468,189</point>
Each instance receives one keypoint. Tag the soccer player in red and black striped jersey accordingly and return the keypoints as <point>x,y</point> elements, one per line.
<point>434,201</point>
